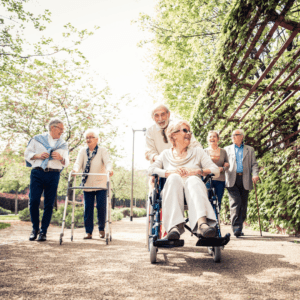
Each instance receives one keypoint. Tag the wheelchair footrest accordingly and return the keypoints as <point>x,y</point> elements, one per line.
<point>215,242</point>
<point>164,243</point>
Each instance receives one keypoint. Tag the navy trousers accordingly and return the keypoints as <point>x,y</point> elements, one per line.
<point>89,200</point>
<point>219,188</point>
<point>40,182</point>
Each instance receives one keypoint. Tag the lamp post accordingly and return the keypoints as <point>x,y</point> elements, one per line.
<point>132,171</point>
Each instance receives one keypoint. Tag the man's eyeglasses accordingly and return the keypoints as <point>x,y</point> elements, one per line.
<point>237,134</point>
<point>90,137</point>
<point>184,130</point>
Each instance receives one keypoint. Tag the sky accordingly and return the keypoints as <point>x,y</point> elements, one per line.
<point>113,53</point>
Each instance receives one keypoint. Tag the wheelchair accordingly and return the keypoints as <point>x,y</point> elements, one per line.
<point>154,230</point>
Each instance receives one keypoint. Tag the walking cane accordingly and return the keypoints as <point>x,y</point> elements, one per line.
<point>257,209</point>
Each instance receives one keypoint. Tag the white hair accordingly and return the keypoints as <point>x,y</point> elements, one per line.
<point>175,127</point>
<point>54,122</point>
<point>157,106</point>
<point>241,131</point>
<point>93,131</point>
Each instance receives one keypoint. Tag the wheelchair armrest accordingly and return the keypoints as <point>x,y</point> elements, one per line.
<point>208,177</point>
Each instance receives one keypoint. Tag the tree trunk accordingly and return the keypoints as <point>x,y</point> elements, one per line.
<point>16,203</point>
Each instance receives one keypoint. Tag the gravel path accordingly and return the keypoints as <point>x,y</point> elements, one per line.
<point>252,267</point>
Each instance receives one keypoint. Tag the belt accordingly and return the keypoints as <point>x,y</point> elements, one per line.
<point>241,174</point>
<point>47,169</point>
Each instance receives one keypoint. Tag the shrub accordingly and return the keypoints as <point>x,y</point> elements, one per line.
<point>125,211</point>
<point>137,212</point>
<point>4,211</point>
<point>24,215</point>
<point>4,225</point>
<point>57,216</point>
<point>116,215</point>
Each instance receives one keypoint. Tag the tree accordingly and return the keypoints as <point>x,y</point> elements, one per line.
<point>36,86</point>
<point>16,50</point>
<point>185,36</point>
<point>121,184</point>
<point>15,176</point>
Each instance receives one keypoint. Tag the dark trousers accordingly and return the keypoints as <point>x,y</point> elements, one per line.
<point>40,182</point>
<point>238,197</point>
<point>89,200</point>
<point>219,188</point>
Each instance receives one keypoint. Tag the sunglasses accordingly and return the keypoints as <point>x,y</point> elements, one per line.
<point>184,130</point>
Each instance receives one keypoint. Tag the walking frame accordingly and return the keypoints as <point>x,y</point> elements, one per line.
<point>108,236</point>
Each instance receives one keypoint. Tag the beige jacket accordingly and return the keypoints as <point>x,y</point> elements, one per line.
<point>99,164</point>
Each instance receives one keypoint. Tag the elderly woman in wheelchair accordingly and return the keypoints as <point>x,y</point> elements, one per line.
<point>183,166</point>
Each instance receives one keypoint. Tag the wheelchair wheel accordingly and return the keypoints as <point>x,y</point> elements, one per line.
<point>153,253</point>
<point>216,254</point>
<point>151,222</point>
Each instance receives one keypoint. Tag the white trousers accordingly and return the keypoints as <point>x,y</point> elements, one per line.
<point>196,197</point>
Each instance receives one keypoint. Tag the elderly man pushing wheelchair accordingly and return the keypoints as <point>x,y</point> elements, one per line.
<point>156,138</point>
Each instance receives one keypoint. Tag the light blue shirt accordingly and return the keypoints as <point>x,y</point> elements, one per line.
<point>239,157</point>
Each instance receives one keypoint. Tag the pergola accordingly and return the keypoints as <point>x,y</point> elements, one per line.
<point>254,84</point>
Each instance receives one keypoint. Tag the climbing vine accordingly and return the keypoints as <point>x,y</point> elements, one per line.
<point>235,64</point>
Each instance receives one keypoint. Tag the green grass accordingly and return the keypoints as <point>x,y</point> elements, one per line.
<point>4,225</point>
<point>6,217</point>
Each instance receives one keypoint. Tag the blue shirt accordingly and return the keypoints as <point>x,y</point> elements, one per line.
<point>239,157</point>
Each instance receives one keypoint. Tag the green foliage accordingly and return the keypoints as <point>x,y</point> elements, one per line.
<point>57,216</point>
<point>121,183</point>
<point>4,211</point>
<point>24,215</point>
<point>205,63</point>
<point>116,215</point>
<point>10,217</point>
<point>184,39</point>
<point>15,176</point>
<point>137,212</point>
<point>36,86</point>
<point>4,225</point>
<point>278,194</point>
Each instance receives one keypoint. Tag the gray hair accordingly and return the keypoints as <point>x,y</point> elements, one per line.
<point>174,127</point>
<point>54,122</point>
<point>159,105</point>
<point>93,131</point>
<point>241,131</point>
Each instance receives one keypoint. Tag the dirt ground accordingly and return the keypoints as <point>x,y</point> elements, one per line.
<point>252,267</point>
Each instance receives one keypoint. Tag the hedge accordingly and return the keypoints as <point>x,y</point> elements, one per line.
<point>57,216</point>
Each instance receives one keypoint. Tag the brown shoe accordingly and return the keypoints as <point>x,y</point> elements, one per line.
<point>207,231</point>
<point>88,236</point>
<point>173,234</point>
<point>102,234</point>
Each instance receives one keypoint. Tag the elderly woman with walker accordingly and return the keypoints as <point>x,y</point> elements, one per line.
<point>93,159</point>
<point>183,167</point>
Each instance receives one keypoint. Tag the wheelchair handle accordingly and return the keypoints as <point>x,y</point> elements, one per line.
<point>208,177</point>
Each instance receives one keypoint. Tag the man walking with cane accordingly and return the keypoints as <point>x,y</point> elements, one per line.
<point>243,172</point>
<point>47,154</point>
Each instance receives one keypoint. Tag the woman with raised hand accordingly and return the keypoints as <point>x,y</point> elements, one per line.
<point>219,157</point>
<point>93,159</point>
<point>183,167</point>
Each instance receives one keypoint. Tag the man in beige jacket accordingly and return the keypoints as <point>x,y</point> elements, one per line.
<point>156,139</point>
